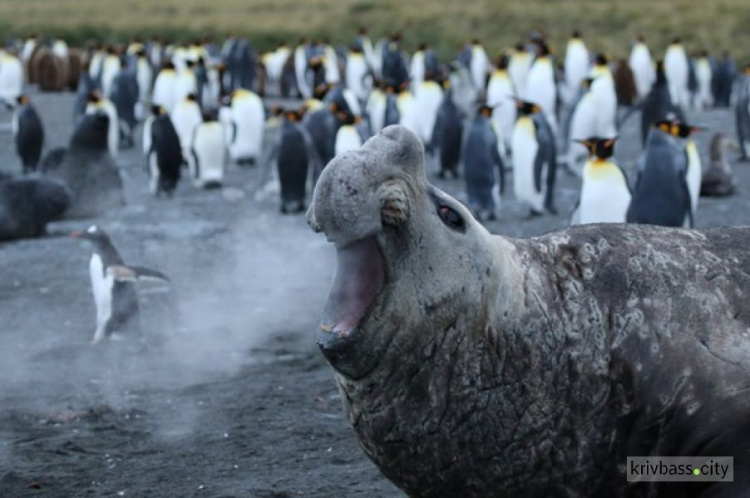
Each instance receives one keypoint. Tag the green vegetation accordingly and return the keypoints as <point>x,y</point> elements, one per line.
<point>607,25</point>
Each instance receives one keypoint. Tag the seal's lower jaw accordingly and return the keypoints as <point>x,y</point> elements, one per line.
<point>359,280</point>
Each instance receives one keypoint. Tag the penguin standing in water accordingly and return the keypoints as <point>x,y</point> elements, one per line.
<point>661,195</point>
<point>483,166</point>
<point>112,283</point>
<point>29,134</point>
<point>164,158</point>
<point>294,154</point>
<point>643,67</point>
<point>534,159</point>
<point>605,192</point>
<point>208,154</point>
<point>448,135</point>
<point>96,103</point>
<point>742,114</point>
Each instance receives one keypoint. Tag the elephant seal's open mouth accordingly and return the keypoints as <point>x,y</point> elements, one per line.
<point>359,279</point>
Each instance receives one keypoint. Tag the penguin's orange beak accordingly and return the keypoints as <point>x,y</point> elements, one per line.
<point>76,234</point>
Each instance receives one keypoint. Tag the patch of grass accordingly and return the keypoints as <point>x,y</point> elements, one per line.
<point>607,25</point>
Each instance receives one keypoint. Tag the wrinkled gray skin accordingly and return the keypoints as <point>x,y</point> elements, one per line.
<point>490,366</point>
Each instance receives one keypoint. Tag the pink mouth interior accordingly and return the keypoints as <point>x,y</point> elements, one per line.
<point>360,276</point>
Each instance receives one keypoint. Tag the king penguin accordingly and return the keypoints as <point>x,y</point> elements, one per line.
<point>144,76</point>
<point>661,195</point>
<point>642,66</point>
<point>694,167</point>
<point>164,158</point>
<point>208,154</point>
<point>295,155</point>
<point>579,125</point>
<point>603,91</point>
<point>448,135</point>
<point>29,134</point>
<point>742,114</point>
<point>540,85</point>
<point>576,65</point>
<point>247,119</point>
<point>518,68</point>
<point>165,87</point>
<point>676,69</point>
<point>97,103</point>
<point>11,78</point>
<point>483,166</point>
<point>605,192</point>
<point>500,95</point>
<point>534,159</point>
<point>658,104</point>
<point>427,98</point>
<point>112,283</point>
<point>186,116</point>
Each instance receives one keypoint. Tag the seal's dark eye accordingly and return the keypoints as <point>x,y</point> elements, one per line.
<point>450,217</point>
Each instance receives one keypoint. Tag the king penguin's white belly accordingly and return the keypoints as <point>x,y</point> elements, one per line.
<point>347,138</point>
<point>694,173</point>
<point>209,149</point>
<point>525,148</point>
<point>605,197</point>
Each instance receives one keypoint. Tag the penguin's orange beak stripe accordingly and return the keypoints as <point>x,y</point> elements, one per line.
<point>76,235</point>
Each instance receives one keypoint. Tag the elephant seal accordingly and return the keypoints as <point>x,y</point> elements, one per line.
<point>27,204</point>
<point>476,365</point>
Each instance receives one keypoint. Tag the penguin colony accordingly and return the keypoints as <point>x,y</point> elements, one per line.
<point>197,108</point>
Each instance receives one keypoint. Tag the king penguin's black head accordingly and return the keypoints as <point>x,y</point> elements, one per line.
<point>527,108</point>
<point>598,147</point>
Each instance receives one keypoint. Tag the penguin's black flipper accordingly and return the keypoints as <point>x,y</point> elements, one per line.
<point>122,273</point>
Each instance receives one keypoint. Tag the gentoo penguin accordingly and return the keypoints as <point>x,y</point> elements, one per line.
<point>164,159</point>
<point>500,95</point>
<point>603,91</point>
<point>186,116</point>
<point>742,114</point>
<point>534,159</point>
<point>483,166</point>
<point>718,180</point>
<point>246,123</point>
<point>579,125</point>
<point>27,204</point>
<point>165,87</point>
<point>294,154</point>
<point>642,66</point>
<point>448,135</point>
<point>576,65</point>
<point>208,153</point>
<point>661,195</point>
<point>479,65</point>
<point>124,96</point>
<point>703,98</point>
<point>11,78</point>
<point>518,68</point>
<point>29,134</point>
<point>541,88</point>
<point>658,105</point>
<point>97,103</point>
<point>676,69</point>
<point>605,192</point>
<point>112,283</point>
<point>110,67</point>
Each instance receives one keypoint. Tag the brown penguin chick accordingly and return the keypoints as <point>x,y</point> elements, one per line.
<point>718,180</point>
<point>625,87</point>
